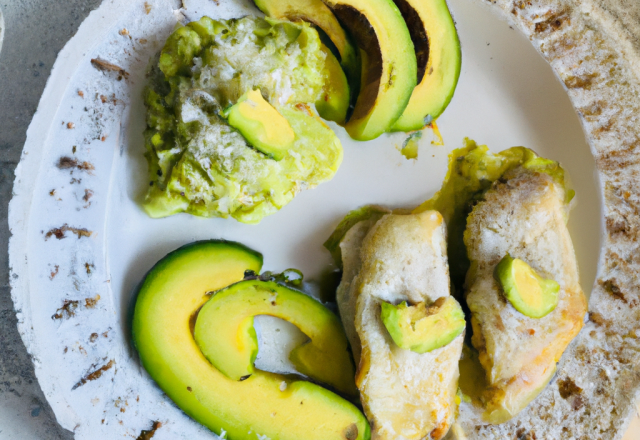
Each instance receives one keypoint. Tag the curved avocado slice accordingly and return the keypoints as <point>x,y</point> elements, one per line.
<point>421,328</point>
<point>317,13</point>
<point>389,68</point>
<point>333,103</point>
<point>528,292</point>
<point>224,332</point>
<point>261,125</point>
<point>171,294</point>
<point>437,48</point>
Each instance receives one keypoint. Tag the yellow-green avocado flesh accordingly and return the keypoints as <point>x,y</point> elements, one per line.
<point>225,334</point>
<point>333,103</point>
<point>528,292</point>
<point>261,125</point>
<point>389,68</point>
<point>265,404</point>
<point>438,55</point>
<point>421,328</point>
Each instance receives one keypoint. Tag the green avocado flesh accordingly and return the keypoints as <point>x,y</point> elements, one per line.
<point>265,405</point>
<point>438,56</point>
<point>472,171</point>
<point>528,292</point>
<point>421,328</point>
<point>389,68</point>
<point>225,334</point>
<point>198,163</point>
<point>318,14</point>
<point>334,100</point>
<point>261,125</point>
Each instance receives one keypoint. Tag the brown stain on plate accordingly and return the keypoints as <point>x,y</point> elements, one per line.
<point>95,374</point>
<point>147,434</point>
<point>66,163</point>
<point>60,232</point>
<point>90,303</point>
<point>67,310</point>
<point>106,66</point>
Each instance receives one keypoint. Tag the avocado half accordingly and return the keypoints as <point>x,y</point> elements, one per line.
<point>389,67</point>
<point>271,405</point>
<point>438,56</point>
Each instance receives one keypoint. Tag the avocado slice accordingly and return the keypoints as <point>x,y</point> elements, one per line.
<point>389,68</point>
<point>225,334</point>
<point>261,124</point>
<point>318,14</point>
<point>265,404</point>
<point>438,55</point>
<point>528,292</point>
<point>421,328</point>
<point>333,103</point>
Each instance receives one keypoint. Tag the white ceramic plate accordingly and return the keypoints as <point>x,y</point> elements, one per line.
<point>507,95</point>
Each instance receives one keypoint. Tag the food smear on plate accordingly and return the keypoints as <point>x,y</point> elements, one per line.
<point>198,162</point>
<point>198,305</point>
<point>405,330</point>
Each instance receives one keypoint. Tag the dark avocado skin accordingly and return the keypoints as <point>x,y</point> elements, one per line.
<point>168,300</point>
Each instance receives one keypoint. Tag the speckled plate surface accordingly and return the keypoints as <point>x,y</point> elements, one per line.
<point>81,243</point>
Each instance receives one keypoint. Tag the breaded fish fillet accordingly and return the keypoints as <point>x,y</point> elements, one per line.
<point>524,215</point>
<point>405,395</point>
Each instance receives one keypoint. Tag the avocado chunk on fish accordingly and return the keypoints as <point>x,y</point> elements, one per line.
<point>422,328</point>
<point>528,292</point>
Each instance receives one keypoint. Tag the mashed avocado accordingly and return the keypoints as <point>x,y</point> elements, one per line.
<point>201,165</point>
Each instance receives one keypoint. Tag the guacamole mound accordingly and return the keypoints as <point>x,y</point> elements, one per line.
<point>201,165</point>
